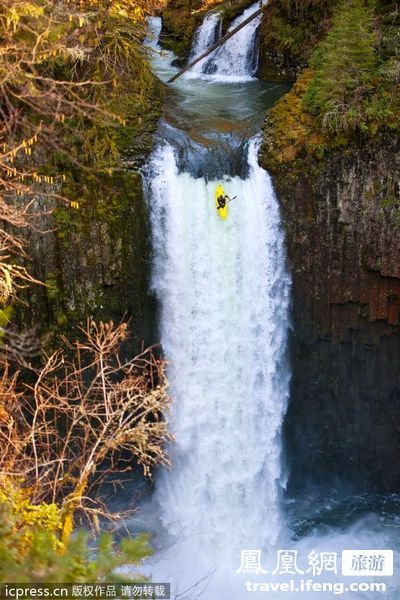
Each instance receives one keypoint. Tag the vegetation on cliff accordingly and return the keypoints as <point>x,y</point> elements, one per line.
<point>179,24</point>
<point>69,422</point>
<point>352,85</point>
<point>349,92</point>
<point>290,31</point>
<point>31,551</point>
<point>77,92</point>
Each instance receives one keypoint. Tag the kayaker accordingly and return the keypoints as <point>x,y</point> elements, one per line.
<point>222,200</point>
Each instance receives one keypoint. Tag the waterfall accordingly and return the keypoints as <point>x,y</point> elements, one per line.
<point>224,291</point>
<point>237,58</point>
<point>206,35</point>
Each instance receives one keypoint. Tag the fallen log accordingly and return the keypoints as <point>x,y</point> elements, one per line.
<point>224,38</point>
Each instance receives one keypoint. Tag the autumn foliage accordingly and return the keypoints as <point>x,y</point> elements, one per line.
<point>85,414</point>
<point>71,415</point>
<point>68,69</point>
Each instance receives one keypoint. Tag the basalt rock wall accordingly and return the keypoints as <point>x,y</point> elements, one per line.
<point>342,221</point>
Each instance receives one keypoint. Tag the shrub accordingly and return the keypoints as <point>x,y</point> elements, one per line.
<point>30,550</point>
<point>80,417</point>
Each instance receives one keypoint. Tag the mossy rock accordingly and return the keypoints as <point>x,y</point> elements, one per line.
<point>289,133</point>
<point>231,10</point>
<point>347,97</point>
<point>180,20</point>
<point>290,32</point>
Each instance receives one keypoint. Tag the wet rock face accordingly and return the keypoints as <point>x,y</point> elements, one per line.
<point>342,223</point>
<point>96,264</point>
<point>96,260</point>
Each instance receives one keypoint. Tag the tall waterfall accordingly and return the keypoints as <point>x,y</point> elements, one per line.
<point>237,58</point>
<point>224,293</point>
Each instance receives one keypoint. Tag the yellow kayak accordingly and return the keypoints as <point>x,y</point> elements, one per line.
<point>223,212</point>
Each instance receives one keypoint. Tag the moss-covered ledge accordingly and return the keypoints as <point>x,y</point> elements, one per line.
<point>349,95</point>
<point>290,134</point>
<point>95,255</point>
<point>290,32</point>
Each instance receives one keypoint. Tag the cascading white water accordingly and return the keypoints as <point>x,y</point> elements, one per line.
<point>206,35</point>
<point>224,294</point>
<point>236,59</point>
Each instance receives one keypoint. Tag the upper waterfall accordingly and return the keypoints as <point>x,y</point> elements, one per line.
<point>237,58</point>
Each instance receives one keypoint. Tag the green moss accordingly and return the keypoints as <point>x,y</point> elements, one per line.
<point>347,96</point>
<point>291,29</point>
<point>389,202</point>
<point>63,220</point>
<point>102,247</point>
<point>343,69</point>
<point>5,316</point>
<point>232,9</point>
<point>289,132</point>
<point>180,21</point>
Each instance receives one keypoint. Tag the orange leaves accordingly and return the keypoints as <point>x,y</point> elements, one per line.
<point>84,407</point>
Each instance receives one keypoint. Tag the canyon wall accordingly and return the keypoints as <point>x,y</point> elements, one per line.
<point>338,184</point>
<point>342,217</point>
<point>95,259</point>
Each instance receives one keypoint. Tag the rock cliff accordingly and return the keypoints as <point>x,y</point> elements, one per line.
<point>342,220</point>
<point>95,260</point>
<point>333,149</point>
